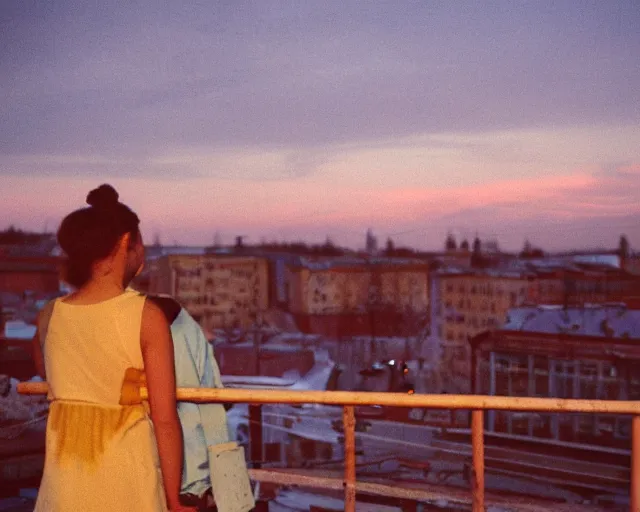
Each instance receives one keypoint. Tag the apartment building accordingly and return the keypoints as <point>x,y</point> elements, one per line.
<point>219,291</point>
<point>349,297</point>
<point>576,284</point>
<point>469,302</point>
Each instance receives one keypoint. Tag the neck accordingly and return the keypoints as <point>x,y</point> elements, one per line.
<point>104,285</point>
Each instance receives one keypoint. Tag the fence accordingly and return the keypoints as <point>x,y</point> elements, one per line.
<point>477,404</point>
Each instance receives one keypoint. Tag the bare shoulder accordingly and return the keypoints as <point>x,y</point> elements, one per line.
<point>154,328</point>
<point>169,306</point>
<point>152,314</point>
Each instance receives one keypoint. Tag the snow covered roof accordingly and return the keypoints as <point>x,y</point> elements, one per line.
<point>352,261</point>
<point>612,260</point>
<point>507,272</point>
<point>607,320</point>
<point>154,252</point>
<point>249,381</point>
<point>19,330</point>
<point>295,499</point>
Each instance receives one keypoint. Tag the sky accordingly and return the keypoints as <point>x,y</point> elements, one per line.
<point>289,120</point>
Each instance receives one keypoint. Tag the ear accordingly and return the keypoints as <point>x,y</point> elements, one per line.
<point>123,244</point>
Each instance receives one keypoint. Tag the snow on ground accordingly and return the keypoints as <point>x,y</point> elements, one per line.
<point>18,409</point>
<point>295,500</point>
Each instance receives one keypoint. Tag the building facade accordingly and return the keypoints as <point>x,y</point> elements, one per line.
<point>218,291</point>
<point>579,284</point>
<point>587,353</point>
<point>470,302</point>
<point>37,275</point>
<point>355,298</point>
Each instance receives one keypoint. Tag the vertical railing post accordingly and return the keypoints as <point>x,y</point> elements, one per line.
<point>477,445</point>
<point>256,447</point>
<point>635,464</point>
<point>255,434</point>
<point>349,424</point>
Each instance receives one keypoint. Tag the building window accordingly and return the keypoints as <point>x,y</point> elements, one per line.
<point>588,381</point>
<point>541,376</point>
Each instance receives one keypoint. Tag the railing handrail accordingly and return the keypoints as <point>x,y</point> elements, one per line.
<point>365,398</point>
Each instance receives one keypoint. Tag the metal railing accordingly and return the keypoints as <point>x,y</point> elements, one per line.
<point>477,404</point>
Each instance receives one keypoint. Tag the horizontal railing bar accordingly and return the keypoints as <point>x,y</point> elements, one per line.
<point>419,492</point>
<point>341,398</point>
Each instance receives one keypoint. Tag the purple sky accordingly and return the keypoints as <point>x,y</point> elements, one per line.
<point>301,120</point>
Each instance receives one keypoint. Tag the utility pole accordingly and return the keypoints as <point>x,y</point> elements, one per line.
<point>257,341</point>
<point>372,304</point>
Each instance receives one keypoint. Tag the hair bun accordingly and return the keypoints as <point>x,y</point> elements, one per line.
<point>103,197</point>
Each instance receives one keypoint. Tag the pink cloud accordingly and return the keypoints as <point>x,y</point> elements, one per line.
<point>191,210</point>
<point>582,193</point>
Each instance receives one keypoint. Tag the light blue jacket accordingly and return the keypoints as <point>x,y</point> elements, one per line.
<point>203,425</point>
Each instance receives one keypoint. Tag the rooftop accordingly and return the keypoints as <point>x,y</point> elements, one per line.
<point>155,252</point>
<point>17,329</point>
<point>610,320</point>
<point>356,261</point>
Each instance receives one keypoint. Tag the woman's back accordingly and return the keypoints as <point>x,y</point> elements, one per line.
<point>101,455</point>
<point>101,343</point>
<point>89,347</point>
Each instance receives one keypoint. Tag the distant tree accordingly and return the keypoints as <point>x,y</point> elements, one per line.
<point>156,240</point>
<point>371,243</point>
<point>529,251</point>
<point>15,236</point>
<point>390,247</point>
<point>450,243</point>
<point>477,258</point>
<point>490,246</point>
<point>464,246</point>
<point>477,246</point>
<point>404,252</point>
<point>328,249</point>
<point>623,247</point>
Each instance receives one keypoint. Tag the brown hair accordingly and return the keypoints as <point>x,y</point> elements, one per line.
<point>90,234</point>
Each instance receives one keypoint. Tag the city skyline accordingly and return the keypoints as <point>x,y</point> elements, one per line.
<point>292,121</point>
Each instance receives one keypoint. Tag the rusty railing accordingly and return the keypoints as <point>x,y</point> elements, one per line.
<point>477,404</point>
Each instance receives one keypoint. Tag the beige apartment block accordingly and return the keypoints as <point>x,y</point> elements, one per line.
<point>355,289</point>
<point>474,302</point>
<point>219,291</point>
